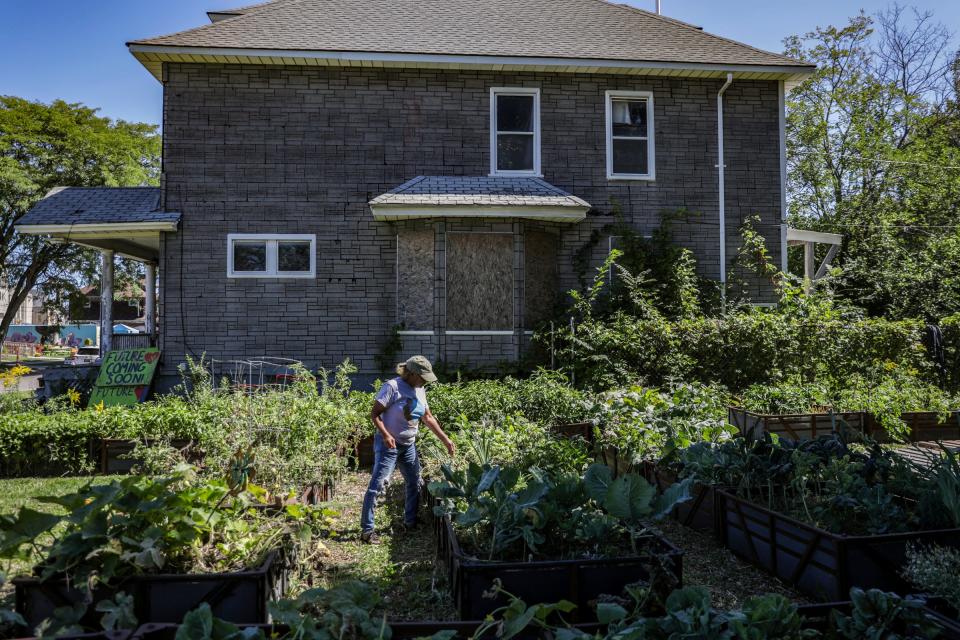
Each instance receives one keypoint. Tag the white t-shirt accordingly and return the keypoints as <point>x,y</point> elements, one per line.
<point>405,405</point>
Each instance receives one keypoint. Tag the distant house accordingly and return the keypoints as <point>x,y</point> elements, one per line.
<point>128,310</point>
<point>24,314</point>
<point>337,168</point>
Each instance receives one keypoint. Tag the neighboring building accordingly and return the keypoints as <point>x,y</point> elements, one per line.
<point>129,309</point>
<point>24,314</point>
<point>333,168</point>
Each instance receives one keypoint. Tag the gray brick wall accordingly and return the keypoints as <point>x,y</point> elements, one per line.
<point>301,150</point>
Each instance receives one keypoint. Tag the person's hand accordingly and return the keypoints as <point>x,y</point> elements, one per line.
<point>451,448</point>
<point>390,441</point>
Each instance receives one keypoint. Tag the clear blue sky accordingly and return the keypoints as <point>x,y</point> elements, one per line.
<point>74,49</point>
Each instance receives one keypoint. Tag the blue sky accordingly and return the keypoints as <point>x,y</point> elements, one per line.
<point>74,49</point>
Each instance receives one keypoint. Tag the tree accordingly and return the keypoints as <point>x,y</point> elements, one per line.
<point>869,157</point>
<point>61,144</point>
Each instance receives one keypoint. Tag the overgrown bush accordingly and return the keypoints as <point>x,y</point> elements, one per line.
<point>546,397</point>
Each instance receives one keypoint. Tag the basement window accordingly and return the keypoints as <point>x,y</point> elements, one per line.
<point>514,132</point>
<point>630,151</point>
<point>271,256</point>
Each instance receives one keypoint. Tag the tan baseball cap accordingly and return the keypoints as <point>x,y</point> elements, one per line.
<point>422,367</point>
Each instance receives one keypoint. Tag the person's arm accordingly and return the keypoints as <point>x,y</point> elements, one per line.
<point>378,409</point>
<point>434,426</point>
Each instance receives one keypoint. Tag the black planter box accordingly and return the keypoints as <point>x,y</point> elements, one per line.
<point>579,581</point>
<point>698,512</point>
<point>113,455</point>
<point>96,635</point>
<point>239,597</point>
<point>819,563</point>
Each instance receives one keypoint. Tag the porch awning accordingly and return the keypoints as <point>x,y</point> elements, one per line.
<point>478,197</point>
<point>126,220</point>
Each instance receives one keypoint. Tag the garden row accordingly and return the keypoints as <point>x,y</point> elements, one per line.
<point>170,557</point>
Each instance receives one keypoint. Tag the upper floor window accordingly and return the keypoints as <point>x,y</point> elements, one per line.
<point>630,153</point>
<point>252,255</point>
<point>514,131</point>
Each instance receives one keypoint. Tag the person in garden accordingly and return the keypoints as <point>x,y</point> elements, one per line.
<point>398,409</point>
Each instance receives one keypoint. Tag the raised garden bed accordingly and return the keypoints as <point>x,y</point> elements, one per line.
<point>924,426</point>
<point>580,581</point>
<point>400,630</point>
<point>698,513</point>
<point>240,597</point>
<point>800,426</point>
<point>114,456</point>
<point>822,564</point>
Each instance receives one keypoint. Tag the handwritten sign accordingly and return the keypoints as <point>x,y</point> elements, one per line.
<point>125,377</point>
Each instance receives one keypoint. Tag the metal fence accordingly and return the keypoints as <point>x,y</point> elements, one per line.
<point>132,341</point>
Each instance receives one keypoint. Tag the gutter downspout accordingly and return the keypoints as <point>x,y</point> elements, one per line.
<point>720,190</point>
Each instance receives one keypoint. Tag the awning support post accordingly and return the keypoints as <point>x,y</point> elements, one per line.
<point>106,301</point>
<point>150,303</point>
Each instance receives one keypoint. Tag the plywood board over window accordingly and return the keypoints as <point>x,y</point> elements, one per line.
<point>415,279</point>
<point>479,281</point>
<point>540,276</point>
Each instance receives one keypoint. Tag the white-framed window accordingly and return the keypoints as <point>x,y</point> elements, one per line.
<point>514,131</point>
<point>255,255</point>
<point>630,145</point>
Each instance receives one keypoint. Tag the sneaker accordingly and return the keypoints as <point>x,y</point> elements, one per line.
<point>370,537</point>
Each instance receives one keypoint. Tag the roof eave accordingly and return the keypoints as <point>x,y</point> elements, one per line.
<point>152,56</point>
<point>394,212</point>
<point>96,228</point>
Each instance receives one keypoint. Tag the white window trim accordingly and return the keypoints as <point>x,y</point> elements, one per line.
<point>271,240</point>
<point>610,96</point>
<point>515,91</point>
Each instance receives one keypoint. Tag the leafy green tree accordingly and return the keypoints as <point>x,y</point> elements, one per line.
<point>873,155</point>
<point>60,144</point>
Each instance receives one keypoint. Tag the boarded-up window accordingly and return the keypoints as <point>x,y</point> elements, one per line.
<point>415,279</point>
<point>540,276</point>
<point>479,281</point>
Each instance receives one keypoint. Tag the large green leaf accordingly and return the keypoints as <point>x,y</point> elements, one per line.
<point>629,498</point>
<point>677,493</point>
<point>597,481</point>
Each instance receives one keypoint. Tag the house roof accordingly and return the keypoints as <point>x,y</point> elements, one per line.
<point>98,206</point>
<point>478,196</point>
<point>537,31</point>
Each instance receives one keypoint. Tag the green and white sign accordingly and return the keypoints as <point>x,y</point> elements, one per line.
<point>125,377</point>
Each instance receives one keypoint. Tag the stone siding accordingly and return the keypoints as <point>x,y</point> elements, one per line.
<point>266,149</point>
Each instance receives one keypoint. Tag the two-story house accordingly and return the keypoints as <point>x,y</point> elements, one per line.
<point>335,168</point>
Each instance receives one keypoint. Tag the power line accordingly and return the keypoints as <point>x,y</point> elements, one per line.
<point>882,161</point>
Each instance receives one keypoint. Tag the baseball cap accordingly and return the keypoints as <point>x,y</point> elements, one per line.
<point>422,367</point>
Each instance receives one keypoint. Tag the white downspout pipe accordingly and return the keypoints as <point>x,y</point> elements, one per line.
<point>720,189</point>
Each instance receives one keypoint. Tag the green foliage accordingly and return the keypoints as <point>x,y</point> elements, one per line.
<point>886,392</point>
<point>871,139</point>
<point>935,571</point>
<point>546,397</point>
<point>641,424</point>
<point>877,614</point>
<point>141,525</point>
<point>60,144</point>
<point>504,513</point>
<point>831,483</point>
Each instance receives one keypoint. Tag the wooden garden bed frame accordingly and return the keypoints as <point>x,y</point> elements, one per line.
<point>924,426</point>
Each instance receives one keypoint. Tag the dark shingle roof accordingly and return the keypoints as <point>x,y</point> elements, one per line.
<point>98,205</point>
<point>589,29</point>
<point>442,191</point>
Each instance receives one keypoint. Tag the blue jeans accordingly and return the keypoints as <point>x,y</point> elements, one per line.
<point>384,462</point>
